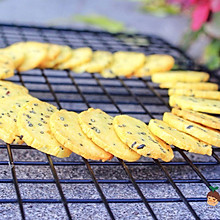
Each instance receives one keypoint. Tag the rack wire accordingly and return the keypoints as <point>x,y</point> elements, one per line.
<point>146,189</point>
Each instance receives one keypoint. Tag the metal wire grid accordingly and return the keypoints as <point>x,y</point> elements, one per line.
<point>136,96</point>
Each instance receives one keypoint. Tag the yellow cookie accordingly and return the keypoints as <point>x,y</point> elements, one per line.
<point>66,129</point>
<point>202,133</point>
<point>201,118</point>
<point>6,67</point>
<point>17,56</point>
<point>180,76</point>
<point>34,54</point>
<point>125,63</point>
<point>98,126</point>
<point>155,63</point>
<point>193,86</point>
<point>100,60</point>
<point>195,93</point>
<point>108,73</point>
<point>79,57</point>
<point>179,139</point>
<point>65,54</point>
<point>9,109</point>
<point>53,50</point>
<point>196,104</point>
<point>139,138</point>
<point>9,89</point>
<point>33,124</point>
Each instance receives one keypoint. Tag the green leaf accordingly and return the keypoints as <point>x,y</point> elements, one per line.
<point>212,28</point>
<point>159,7</point>
<point>102,22</point>
<point>212,55</point>
<point>189,38</point>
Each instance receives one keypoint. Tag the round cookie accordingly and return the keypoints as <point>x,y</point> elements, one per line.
<point>65,54</point>
<point>79,56</point>
<point>100,60</point>
<point>201,118</point>
<point>66,129</point>
<point>9,89</point>
<point>9,109</point>
<point>34,54</point>
<point>53,51</point>
<point>215,95</point>
<point>17,56</point>
<point>6,67</point>
<point>180,76</point>
<point>125,63</point>
<point>139,138</point>
<point>179,139</point>
<point>98,126</point>
<point>33,124</point>
<point>155,63</point>
<point>202,133</point>
<point>196,104</point>
<point>206,86</point>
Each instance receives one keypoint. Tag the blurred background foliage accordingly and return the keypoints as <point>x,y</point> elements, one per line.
<point>204,16</point>
<point>102,22</point>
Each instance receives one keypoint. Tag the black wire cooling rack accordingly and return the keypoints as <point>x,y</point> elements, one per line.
<point>74,188</point>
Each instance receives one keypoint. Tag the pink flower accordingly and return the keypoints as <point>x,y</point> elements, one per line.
<point>200,13</point>
<point>201,10</point>
<point>215,5</point>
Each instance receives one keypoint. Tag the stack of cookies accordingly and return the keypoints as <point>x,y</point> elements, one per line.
<point>190,90</point>
<point>188,126</point>
<point>24,56</point>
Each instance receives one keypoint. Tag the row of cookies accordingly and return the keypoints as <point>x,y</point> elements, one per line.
<point>24,56</point>
<point>190,90</point>
<point>186,127</point>
<point>92,134</point>
<point>96,135</point>
<point>189,130</point>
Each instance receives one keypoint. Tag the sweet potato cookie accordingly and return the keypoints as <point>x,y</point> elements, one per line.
<point>65,54</point>
<point>204,134</point>
<point>79,56</point>
<point>33,124</point>
<point>201,118</point>
<point>9,89</point>
<point>53,51</point>
<point>139,138</point>
<point>9,109</point>
<point>66,129</point>
<point>207,86</point>
<point>179,139</point>
<point>155,63</point>
<point>34,54</point>
<point>125,63</point>
<point>100,60</point>
<point>180,76</point>
<point>98,126</point>
<point>195,93</point>
<point>196,104</point>
<point>6,67</point>
<point>17,56</point>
